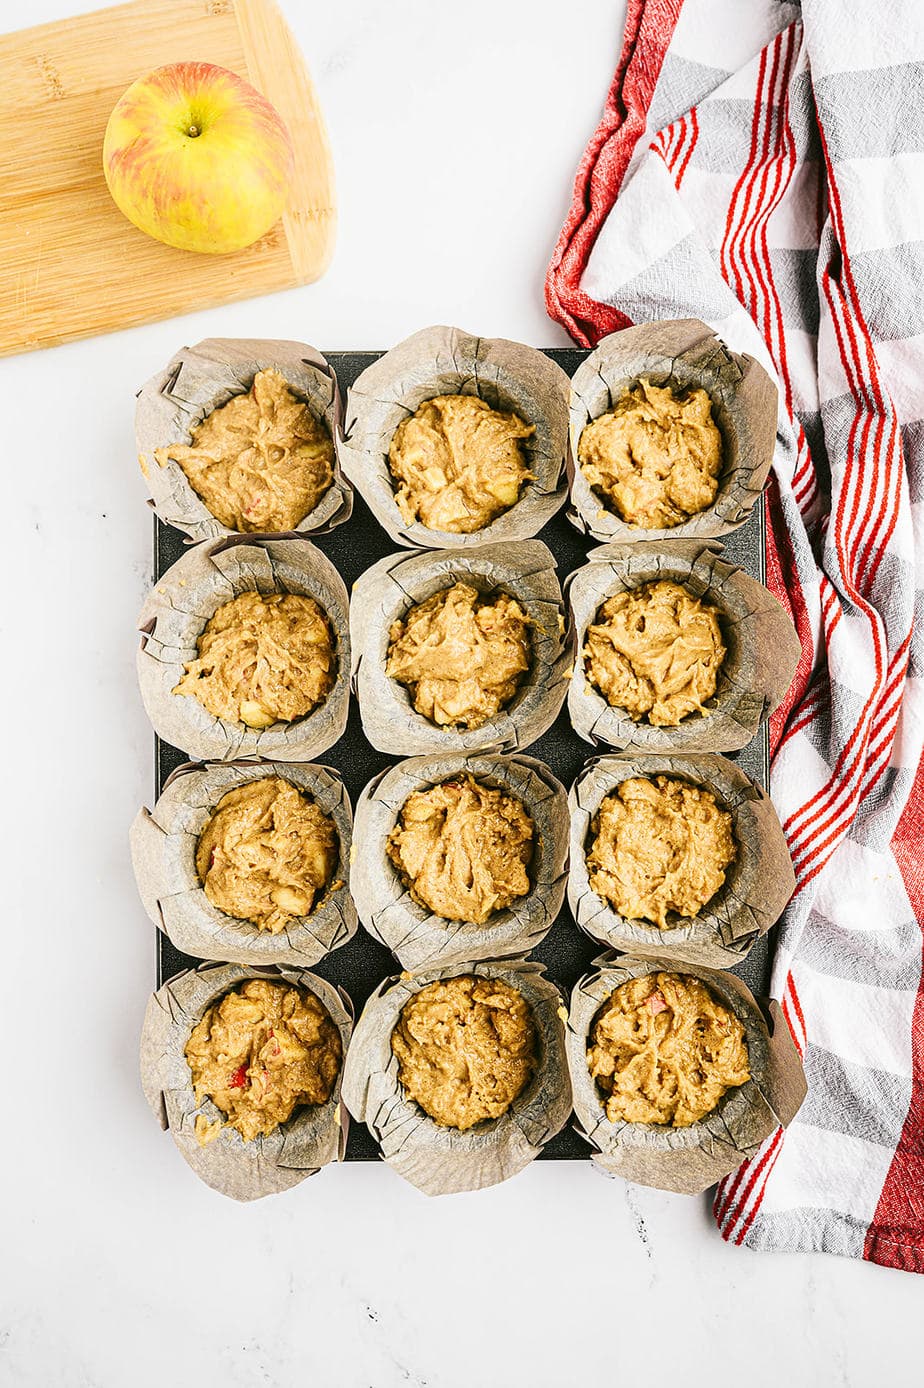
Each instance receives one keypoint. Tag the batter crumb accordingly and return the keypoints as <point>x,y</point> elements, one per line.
<point>462,848</point>
<point>461,654</point>
<point>263,658</point>
<point>659,845</point>
<point>458,463</point>
<point>656,652</point>
<point>655,458</point>
<point>260,1052</point>
<point>261,462</point>
<point>664,1050</point>
<point>267,854</point>
<point>466,1048</point>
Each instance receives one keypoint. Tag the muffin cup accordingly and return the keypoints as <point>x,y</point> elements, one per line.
<point>686,1160</point>
<point>448,361</point>
<point>757,886</point>
<point>681,353</point>
<point>174,615</point>
<point>200,379</point>
<point>312,1137</point>
<point>385,592</point>
<point>421,939</point>
<point>440,1160</point>
<point>163,846</point>
<point>761,642</point>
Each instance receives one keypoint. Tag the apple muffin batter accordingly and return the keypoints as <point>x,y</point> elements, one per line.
<point>261,462</point>
<point>466,1048</point>
<point>263,658</point>
<point>664,1050</point>
<point>267,854</point>
<point>458,463</point>
<point>655,458</point>
<point>656,652</point>
<point>659,845</point>
<point>461,654</point>
<point>462,849</point>
<point>264,1049</point>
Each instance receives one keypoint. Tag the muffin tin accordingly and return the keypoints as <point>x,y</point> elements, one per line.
<point>361,965</point>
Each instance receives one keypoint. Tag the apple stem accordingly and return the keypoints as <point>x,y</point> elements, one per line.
<point>193,131</point>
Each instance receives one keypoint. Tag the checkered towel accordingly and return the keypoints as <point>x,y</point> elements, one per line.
<point>762,167</point>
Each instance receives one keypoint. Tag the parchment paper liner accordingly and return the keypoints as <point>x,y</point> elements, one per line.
<point>177,609</point>
<point>313,1136</point>
<point>686,1160</point>
<point>421,939</point>
<point>761,642</point>
<point>200,379</point>
<point>681,352</point>
<point>442,1160</point>
<point>387,590</point>
<point>448,361</point>
<point>163,845</point>
<point>757,885</point>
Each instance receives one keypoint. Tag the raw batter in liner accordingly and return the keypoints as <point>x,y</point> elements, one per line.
<point>461,654</point>
<point>664,1050</point>
<point>466,1048</point>
<point>267,853</point>
<point>263,658</point>
<point>659,845</point>
<point>261,462</point>
<point>462,848</point>
<point>655,651</point>
<point>655,458</point>
<point>264,1049</point>
<point>458,463</point>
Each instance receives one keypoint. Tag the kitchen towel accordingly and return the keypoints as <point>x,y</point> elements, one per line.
<point>760,166</point>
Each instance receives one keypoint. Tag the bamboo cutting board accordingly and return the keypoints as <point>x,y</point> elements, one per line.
<point>70,263</point>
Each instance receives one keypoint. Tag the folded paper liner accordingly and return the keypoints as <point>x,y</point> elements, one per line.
<point>421,939</point>
<point>312,1137</point>
<point>386,591</point>
<point>200,379</point>
<point>174,615</point>
<point>681,353</point>
<point>758,884</point>
<point>686,1160</point>
<point>163,846</point>
<point>439,1160</point>
<point>762,648</point>
<point>448,361</point>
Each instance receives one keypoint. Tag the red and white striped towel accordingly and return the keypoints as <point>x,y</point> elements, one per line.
<point>761,166</point>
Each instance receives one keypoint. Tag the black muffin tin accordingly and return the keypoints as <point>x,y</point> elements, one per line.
<point>361,964</point>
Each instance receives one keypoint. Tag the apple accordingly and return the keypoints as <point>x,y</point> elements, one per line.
<point>196,157</point>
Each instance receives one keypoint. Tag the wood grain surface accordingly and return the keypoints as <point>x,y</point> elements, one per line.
<point>70,264</point>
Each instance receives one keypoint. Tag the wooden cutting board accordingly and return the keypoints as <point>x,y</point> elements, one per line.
<point>70,263</point>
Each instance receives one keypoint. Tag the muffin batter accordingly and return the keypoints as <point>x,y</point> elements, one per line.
<point>655,458</point>
<point>458,463</point>
<point>462,849</point>
<point>659,845</point>
<point>261,1051</point>
<point>656,652</point>
<point>461,655</point>
<point>267,853</point>
<point>261,462</point>
<point>664,1050</point>
<point>466,1047</point>
<point>263,657</point>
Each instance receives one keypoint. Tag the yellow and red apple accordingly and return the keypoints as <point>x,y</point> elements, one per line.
<point>198,158</point>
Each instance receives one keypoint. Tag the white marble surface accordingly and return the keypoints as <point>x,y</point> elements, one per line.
<point>456,131</point>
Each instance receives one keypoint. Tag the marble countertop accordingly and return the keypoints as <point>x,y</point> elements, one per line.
<point>456,131</point>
